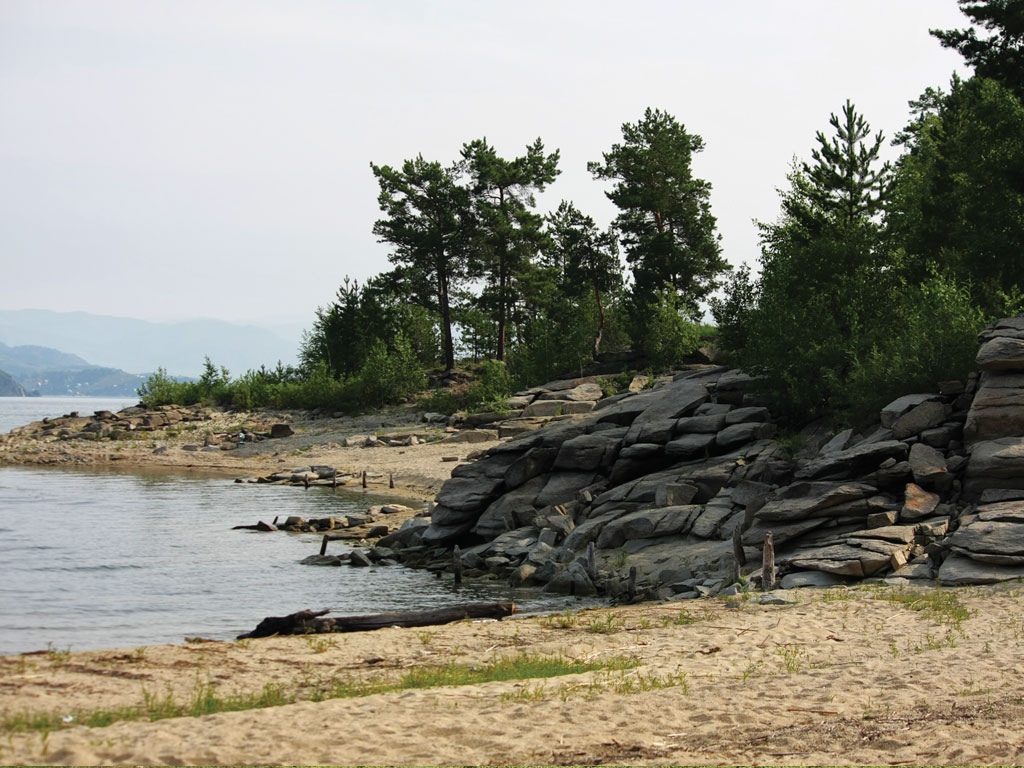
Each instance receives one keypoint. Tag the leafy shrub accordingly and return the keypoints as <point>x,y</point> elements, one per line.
<point>932,337</point>
<point>491,388</point>
<point>389,377</point>
<point>663,332</point>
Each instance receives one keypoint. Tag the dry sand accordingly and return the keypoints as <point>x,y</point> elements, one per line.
<point>826,681</point>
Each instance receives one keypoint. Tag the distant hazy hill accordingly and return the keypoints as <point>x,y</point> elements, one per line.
<point>9,387</point>
<point>27,361</point>
<point>138,345</point>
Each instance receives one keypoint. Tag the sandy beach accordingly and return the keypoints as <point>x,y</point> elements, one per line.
<point>845,676</point>
<point>841,677</point>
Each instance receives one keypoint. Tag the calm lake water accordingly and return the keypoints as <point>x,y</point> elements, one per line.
<point>110,559</point>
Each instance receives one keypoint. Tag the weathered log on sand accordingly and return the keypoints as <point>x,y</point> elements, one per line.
<point>311,622</point>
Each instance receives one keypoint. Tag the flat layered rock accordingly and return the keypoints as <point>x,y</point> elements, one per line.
<point>1001,353</point>
<point>997,409</point>
<point>588,452</point>
<point>646,524</point>
<point>803,500</point>
<point>996,463</point>
<point>586,392</point>
<point>469,493</point>
<point>959,571</point>
<point>671,401</point>
<point>991,541</point>
<point>853,462</point>
<point>894,410</point>
<point>840,559</point>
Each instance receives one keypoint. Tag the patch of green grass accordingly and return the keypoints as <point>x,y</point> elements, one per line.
<point>320,644</point>
<point>940,605</point>
<point>566,620</point>
<point>204,699</point>
<point>794,658</point>
<point>609,625</point>
<point>685,618</point>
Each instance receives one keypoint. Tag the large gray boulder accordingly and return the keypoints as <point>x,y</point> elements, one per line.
<point>562,487</point>
<point>506,513</point>
<point>919,418</point>
<point>894,410</point>
<point>588,452</point>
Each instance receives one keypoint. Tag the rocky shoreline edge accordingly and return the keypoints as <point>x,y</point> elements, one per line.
<point>668,490</point>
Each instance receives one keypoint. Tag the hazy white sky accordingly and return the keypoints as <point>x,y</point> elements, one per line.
<point>177,158</point>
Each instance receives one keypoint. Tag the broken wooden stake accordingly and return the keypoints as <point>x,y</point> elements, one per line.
<point>391,480</point>
<point>768,564</point>
<point>457,564</point>
<point>364,478</point>
<point>323,545</point>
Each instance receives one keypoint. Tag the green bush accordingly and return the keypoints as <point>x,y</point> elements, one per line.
<point>663,332</point>
<point>932,337</point>
<point>389,377</point>
<point>491,388</point>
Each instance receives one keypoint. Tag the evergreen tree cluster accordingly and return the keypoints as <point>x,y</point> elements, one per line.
<point>874,279</point>
<point>478,272</point>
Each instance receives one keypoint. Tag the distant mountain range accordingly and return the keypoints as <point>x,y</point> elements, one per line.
<point>34,370</point>
<point>121,344</point>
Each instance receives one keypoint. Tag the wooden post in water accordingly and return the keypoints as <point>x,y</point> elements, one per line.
<point>391,479</point>
<point>364,478</point>
<point>323,546</point>
<point>768,566</point>
<point>457,564</point>
<point>275,520</point>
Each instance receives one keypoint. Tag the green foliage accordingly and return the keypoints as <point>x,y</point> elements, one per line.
<point>999,56</point>
<point>429,221</point>
<point>959,201</point>
<point>665,213</point>
<point>662,332</point>
<point>161,389</point>
<point>932,336</point>
<point>390,376</point>
<point>508,232</point>
<point>491,388</point>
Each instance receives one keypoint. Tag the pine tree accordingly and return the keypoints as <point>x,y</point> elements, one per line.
<point>665,212</point>
<point>999,56</point>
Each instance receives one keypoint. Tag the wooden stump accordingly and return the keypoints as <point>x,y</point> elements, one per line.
<point>768,564</point>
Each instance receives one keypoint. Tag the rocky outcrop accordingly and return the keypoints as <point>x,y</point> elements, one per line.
<point>670,489</point>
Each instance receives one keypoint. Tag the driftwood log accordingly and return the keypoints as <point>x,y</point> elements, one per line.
<point>313,622</point>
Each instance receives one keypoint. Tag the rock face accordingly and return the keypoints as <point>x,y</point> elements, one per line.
<point>682,482</point>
